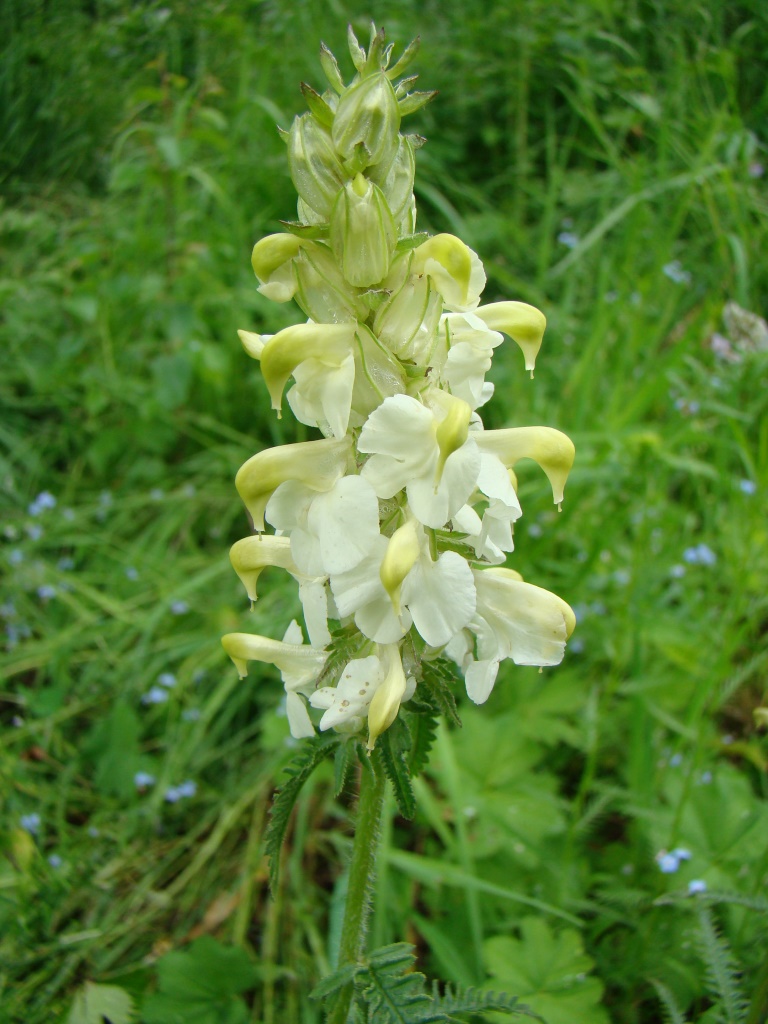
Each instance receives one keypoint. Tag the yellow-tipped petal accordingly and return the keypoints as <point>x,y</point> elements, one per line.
<point>453,256</point>
<point>294,660</point>
<point>452,430</point>
<point>386,701</point>
<point>552,449</point>
<point>328,343</point>
<point>251,555</point>
<point>271,253</point>
<point>318,464</point>
<point>253,343</point>
<point>523,323</point>
<point>400,557</point>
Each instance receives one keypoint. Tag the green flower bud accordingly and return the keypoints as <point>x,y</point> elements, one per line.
<point>322,292</point>
<point>314,166</point>
<point>397,183</point>
<point>271,262</point>
<point>363,234</point>
<point>368,113</point>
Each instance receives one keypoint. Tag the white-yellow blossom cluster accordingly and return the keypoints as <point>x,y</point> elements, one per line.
<point>397,523</point>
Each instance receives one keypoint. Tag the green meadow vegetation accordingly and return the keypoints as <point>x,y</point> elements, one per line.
<point>594,839</point>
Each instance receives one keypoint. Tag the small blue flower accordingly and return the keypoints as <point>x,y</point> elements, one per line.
<point>156,695</point>
<point>747,486</point>
<point>568,239</point>
<point>185,789</point>
<point>696,885</point>
<point>676,760</point>
<point>42,502</point>
<point>30,823</point>
<point>157,494</point>
<point>701,554</point>
<point>677,572</point>
<point>66,564</point>
<point>143,779</point>
<point>179,608</point>
<point>674,271</point>
<point>167,679</point>
<point>55,860</point>
<point>132,573</point>
<point>8,610</point>
<point>15,556</point>
<point>34,531</point>
<point>681,853</point>
<point>106,499</point>
<point>705,778</point>
<point>668,863</point>
<point>191,714</point>
<point>46,592</point>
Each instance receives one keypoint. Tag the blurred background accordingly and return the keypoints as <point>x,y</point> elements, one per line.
<point>594,839</point>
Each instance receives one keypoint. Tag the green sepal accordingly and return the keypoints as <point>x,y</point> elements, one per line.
<point>374,297</point>
<point>415,101</point>
<point>374,60</point>
<point>356,52</point>
<point>417,141</point>
<point>331,69</point>
<point>360,159</point>
<point>408,242</point>
<point>311,231</point>
<point>404,85</point>
<point>405,58</point>
<point>317,105</point>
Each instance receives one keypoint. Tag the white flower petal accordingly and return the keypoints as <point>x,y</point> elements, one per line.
<point>299,721</point>
<point>346,522</point>
<point>314,602</point>
<point>480,677</point>
<point>434,506</point>
<point>400,436</point>
<point>440,596</point>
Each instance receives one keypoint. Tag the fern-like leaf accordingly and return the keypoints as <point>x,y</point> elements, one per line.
<point>672,1012</point>
<point>392,746</point>
<point>423,729</point>
<point>389,989</point>
<point>474,1000</point>
<point>439,679</point>
<point>311,755</point>
<point>721,970</point>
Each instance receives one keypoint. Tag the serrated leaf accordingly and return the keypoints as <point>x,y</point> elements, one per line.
<point>309,757</point>
<point>439,677</point>
<point>333,982</point>
<point>201,985</point>
<point>93,1003</point>
<point>475,1000</point>
<point>343,759</point>
<point>423,729</point>
<point>393,745</point>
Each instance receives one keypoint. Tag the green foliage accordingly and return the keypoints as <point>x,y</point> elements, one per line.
<point>96,1003</point>
<point>580,148</point>
<point>389,991</point>
<point>550,971</point>
<point>299,770</point>
<point>201,986</point>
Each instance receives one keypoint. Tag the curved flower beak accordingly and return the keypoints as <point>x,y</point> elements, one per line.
<point>298,663</point>
<point>524,324</point>
<point>552,449</point>
<point>251,555</point>
<point>318,464</point>
<point>271,261</point>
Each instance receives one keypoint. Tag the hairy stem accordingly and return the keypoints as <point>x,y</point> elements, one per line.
<point>362,871</point>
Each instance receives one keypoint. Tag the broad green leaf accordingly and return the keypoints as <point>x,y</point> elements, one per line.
<point>93,1003</point>
<point>547,971</point>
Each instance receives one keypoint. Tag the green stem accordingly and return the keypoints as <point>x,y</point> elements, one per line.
<point>362,870</point>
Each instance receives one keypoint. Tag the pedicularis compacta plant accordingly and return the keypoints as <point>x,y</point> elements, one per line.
<point>397,523</point>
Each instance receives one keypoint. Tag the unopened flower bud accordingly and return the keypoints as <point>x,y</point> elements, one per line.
<point>397,183</point>
<point>368,114</point>
<point>389,694</point>
<point>400,557</point>
<point>322,292</point>
<point>314,166</point>
<point>272,262</point>
<point>363,235</point>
